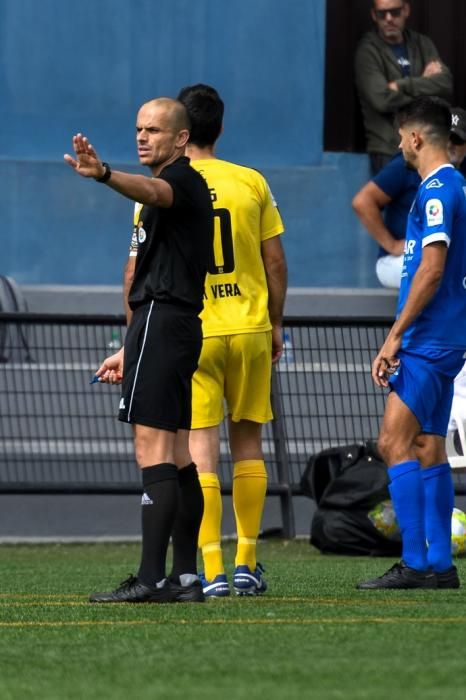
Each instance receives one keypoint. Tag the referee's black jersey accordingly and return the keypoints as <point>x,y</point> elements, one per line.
<point>174,243</point>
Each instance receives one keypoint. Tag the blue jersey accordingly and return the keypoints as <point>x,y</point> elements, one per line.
<point>438,214</point>
<point>400,183</point>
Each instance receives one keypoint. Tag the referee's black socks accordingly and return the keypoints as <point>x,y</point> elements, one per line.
<point>159,506</point>
<point>185,532</point>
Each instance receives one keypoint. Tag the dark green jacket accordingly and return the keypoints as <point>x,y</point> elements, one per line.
<point>375,66</point>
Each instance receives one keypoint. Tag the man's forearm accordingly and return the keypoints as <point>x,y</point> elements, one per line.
<point>277,279</point>
<point>368,204</point>
<point>371,218</point>
<point>424,286</point>
<point>140,188</point>
<point>438,85</point>
<point>127,282</point>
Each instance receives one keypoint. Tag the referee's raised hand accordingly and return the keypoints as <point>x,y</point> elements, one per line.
<point>86,163</point>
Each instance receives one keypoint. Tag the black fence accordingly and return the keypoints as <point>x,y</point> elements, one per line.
<point>59,434</point>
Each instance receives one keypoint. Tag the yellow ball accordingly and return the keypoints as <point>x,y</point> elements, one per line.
<point>383,519</point>
<point>458,532</point>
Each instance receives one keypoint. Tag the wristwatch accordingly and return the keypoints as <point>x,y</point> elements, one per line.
<point>107,174</point>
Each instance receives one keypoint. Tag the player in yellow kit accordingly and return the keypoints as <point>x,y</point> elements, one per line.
<point>241,321</point>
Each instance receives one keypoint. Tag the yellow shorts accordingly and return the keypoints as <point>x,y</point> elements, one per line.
<point>236,368</point>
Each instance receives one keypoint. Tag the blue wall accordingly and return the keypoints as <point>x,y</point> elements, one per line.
<point>88,66</point>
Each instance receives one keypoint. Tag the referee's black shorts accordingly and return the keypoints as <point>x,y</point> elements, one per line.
<point>162,349</point>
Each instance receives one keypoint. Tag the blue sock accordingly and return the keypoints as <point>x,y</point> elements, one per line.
<point>439,498</point>
<point>407,492</point>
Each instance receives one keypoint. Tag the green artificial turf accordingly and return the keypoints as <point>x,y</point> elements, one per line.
<point>313,635</point>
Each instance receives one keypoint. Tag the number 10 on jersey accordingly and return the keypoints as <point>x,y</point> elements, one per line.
<point>222,259</point>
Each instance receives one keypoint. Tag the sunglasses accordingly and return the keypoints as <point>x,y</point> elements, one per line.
<point>394,12</point>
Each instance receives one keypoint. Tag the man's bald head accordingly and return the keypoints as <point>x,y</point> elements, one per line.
<point>175,111</point>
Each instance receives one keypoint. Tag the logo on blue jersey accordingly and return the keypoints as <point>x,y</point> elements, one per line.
<point>435,183</point>
<point>434,212</point>
<point>409,247</point>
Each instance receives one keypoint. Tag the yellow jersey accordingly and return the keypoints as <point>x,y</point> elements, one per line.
<point>245,214</point>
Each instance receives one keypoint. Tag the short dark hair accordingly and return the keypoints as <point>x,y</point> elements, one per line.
<point>432,114</point>
<point>205,111</point>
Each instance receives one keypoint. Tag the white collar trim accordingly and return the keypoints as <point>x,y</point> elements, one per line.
<point>445,165</point>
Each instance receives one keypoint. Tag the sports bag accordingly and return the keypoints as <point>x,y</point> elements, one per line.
<point>346,483</point>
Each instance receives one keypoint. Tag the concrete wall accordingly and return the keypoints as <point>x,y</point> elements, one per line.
<point>88,66</point>
<point>300,301</point>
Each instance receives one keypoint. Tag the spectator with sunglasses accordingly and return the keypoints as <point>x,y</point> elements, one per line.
<point>393,66</point>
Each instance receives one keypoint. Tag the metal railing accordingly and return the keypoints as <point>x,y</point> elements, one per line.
<point>59,434</point>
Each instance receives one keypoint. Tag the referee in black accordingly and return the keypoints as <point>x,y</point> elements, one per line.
<point>173,227</point>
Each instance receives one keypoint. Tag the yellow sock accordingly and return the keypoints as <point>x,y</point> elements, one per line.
<point>210,534</point>
<point>249,490</point>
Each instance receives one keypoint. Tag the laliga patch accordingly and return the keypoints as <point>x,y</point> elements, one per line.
<point>434,212</point>
<point>141,234</point>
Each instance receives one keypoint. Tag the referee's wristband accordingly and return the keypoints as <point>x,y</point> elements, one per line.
<point>107,174</point>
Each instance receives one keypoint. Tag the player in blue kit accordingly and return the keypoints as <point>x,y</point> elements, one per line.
<point>422,354</point>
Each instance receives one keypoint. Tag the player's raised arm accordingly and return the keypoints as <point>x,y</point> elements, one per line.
<point>86,161</point>
<point>161,137</point>
<point>147,190</point>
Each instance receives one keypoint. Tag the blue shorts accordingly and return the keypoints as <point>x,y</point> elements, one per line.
<point>425,384</point>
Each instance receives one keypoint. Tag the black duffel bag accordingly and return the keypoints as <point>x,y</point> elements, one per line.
<point>346,483</point>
